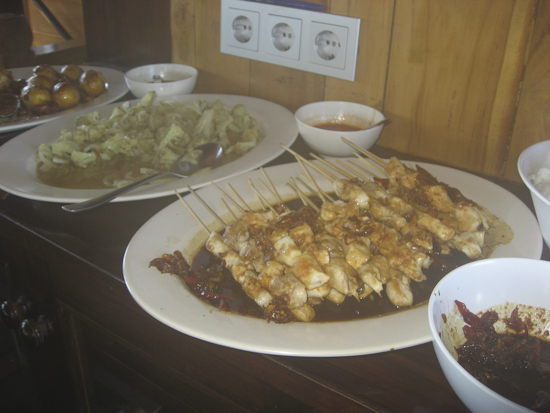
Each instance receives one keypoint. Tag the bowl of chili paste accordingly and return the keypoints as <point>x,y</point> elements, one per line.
<point>490,325</point>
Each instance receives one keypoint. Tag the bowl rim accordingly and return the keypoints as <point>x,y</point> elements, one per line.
<point>436,338</point>
<point>524,175</point>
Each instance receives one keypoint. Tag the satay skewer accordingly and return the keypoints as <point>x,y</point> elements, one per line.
<point>193,213</point>
<point>274,190</point>
<point>265,203</point>
<point>240,208</point>
<point>370,163</point>
<point>368,154</point>
<point>221,221</point>
<point>354,171</point>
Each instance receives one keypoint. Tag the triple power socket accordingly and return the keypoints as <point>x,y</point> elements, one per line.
<point>312,41</point>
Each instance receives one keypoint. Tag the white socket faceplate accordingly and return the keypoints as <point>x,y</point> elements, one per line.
<point>306,40</point>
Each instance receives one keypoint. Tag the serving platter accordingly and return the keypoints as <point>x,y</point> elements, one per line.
<point>116,89</point>
<point>167,299</point>
<point>18,164</point>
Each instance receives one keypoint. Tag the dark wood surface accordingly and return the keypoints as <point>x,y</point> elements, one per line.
<point>84,255</point>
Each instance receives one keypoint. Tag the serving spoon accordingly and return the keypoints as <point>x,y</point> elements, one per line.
<point>211,154</point>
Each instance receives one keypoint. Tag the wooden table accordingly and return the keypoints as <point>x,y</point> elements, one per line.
<point>70,266</point>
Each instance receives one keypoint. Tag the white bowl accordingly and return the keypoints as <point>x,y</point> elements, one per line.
<point>329,142</point>
<point>480,285</point>
<point>530,161</point>
<point>176,79</point>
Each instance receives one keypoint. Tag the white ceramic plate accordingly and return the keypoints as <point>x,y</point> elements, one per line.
<point>116,88</point>
<point>169,301</point>
<point>17,162</point>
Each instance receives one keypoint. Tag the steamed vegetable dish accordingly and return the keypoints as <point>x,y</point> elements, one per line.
<point>140,140</point>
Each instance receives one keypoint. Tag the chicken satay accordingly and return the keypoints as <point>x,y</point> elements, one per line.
<point>302,235</point>
<point>398,213</point>
<point>237,234</point>
<point>401,257</point>
<point>285,249</point>
<point>386,215</point>
<point>467,243</point>
<point>435,226</point>
<point>305,313</point>
<point>351,192</point>
<point>318,293</point>
<point>280,281</point>
<point>399,291</point>
<point>342,277</point>
<point>309,272</point>
<point>358,256</point>
<point>395,170</point>
<point>336,296</point>
<point>243,275</point>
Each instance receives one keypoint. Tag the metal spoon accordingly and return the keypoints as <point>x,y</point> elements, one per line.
<point>380,122</point>
<point>211,154</point>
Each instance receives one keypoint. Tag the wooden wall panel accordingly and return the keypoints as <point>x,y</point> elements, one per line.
<point>452,86</point>
<point>448,73</point>
<point>533,117</point>
<point>218,73</point>
<point>372,59</point>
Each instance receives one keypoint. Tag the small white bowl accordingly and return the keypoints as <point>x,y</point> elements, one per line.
<point>481,285</point>
<point>329,142</point>
<point>530,161</point>
<point>176,79</point>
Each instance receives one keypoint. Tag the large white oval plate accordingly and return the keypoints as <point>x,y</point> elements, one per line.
<point>165,297</point>
<point>116,88</point>
<point>17,160</point>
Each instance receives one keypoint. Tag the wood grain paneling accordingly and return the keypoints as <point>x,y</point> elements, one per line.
<point>448,73</point>
<point>453,78</point>
<point>533,116</point>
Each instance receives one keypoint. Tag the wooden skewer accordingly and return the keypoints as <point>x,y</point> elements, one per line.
<point>327,174</point>
<point>303,197</point>
<point>206,206</point>
<point>274,190</point>
<point>372,164</point>
<point>241,209</point>
<point>262,199</point>
<point>312,180</point>
<point>193,212</point>
<point>309,188</point>
<point>368,154</point>
<point>229,209</point>
<point>331,165</point>
<point>367,173</point>
<point>239,197</point>
<point>354,171</point>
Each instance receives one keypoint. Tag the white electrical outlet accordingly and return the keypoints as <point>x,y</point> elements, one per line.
<point>283,36</point>
<point>316,42</point>
<point>244,28</point>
